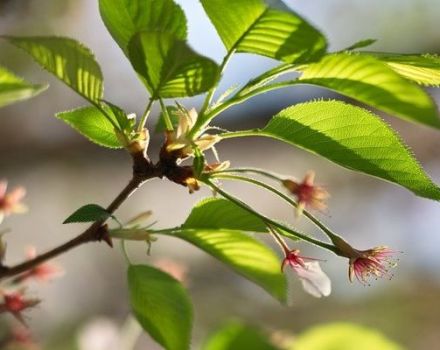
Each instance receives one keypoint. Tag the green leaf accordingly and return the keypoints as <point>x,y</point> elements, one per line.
<point>125,18</point>
<point>354,138</point>
<point>93,124</point>
<point>219,213</point>
<point>244,254</point>
<point>252,27</point>
<point>236,336</point>
<point>342,336</point>
<point>14,89</point>
<point>162,306</point>
<point>88,213</point>
<point>169,67</point>
<point>68,60</point>
<point>422,69</point>
<point>372,82</point>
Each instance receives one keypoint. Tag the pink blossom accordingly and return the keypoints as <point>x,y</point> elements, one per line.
<point>10,203</point>
<point>15,303</point>
<point>307,193</point>
<point>313,279</point>
<point>42,273</point>
<point>375,262</point>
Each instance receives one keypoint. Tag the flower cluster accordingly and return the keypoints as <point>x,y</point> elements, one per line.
<point>181,143</point>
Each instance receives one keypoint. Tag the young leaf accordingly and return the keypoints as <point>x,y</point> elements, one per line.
<point>93,124</point>
<point>423,69</point>
<point>68,60</point>
<point>219,213</point>
<point>244,254</point>
<point>125,18</point>
<point>13,88</point>
<point>354,138</point>
<point>169,67</point>
<point>236,336</point>
<point>250,26</point>
<point>162,306</point>
<point>88,213</point>
<point>372,82</point>
<point>361,44</point>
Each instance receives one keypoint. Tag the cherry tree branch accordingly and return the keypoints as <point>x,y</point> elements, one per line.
<point>143,170</point>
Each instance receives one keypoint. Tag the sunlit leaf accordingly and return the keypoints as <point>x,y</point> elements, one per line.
<point>218,213</point>
<point>125,18</point>
<point>372,82</point>
<point>250,26</point>
<point>93,124</point>
<point>423,69</point>
<point>342,336</point>
<point>162,306</point>
<point>13,88</point>
<point>236,336</point>
<point>68,60</point>
<point>354,138</point>
<point>244,254</point>
<point>169,67</point>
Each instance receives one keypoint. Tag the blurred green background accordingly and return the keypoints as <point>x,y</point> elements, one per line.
<point>63,171</point>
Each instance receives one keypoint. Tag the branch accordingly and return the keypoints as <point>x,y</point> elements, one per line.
<point>143,170</point>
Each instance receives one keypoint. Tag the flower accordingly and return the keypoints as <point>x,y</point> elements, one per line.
<point>22,337</point>
<point>313,279</point>
<point>15,303</point>
<point>375,262</point>
<point>180,142</point>
<point>10,203</point>
<point>42,273</point>
<point>307,193</point>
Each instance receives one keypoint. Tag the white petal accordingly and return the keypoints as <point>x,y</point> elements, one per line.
<point>314,280</point>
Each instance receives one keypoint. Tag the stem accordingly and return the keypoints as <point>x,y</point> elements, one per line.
<point>289,200</point>
<point>258,171</point>
<point>268,220</point>
<point>166,116</point>
<point>200,123</point>
<point>241,133</point>
<point>144,118</point>
<point>93,233</point>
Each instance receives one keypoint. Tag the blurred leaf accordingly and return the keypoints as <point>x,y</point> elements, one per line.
<point>244,254</point>
<point>88,213</point>
<point>13,88</point>
<point>68,60</point>
<point>250,26</point>
<point>343,336</point>
<point>162,306</point>
<point>125,18</point>
<point>169,67</point>
<point>93,124</point>
<point>423,69</point>
<point>219,213</point>
<point>354,138</point>
<point>361,44</point>
<point>236,336</point>
<point>372,82</point>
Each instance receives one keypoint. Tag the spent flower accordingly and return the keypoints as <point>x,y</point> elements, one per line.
<point>307,193</point>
